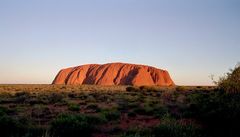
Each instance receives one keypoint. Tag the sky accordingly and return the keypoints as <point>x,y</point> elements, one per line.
<point>192,39</point>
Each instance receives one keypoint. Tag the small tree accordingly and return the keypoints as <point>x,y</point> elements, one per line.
<point>230,83</point>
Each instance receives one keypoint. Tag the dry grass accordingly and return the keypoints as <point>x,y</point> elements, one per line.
<point>13,88</point>
<point>58,88</point>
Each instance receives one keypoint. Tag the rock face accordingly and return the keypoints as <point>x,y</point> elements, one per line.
<point>114,74</point>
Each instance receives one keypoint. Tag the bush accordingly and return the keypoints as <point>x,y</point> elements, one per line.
<point>72,95</point>
<point>137,132</point>
<point>170,127</point>
<point>34,131</point>
<point>10,127</point>
<point>149,88</point>
<point>73,107</point>
<point>122,105</point>
<point>111,115</point>
<point>160,111</point>
<point>55,98</point>
<point>132,114</point>
<point>176,130</point>
<point>219,111</point>
<point>181,89</point>
<point>17,127</point>
<point>230,83</point>
<point>21,97</point>
<point>146,110</point>
<point>93,107</point>
<point>132,89</point>
<point>3,110</point>
<point>19,94</point>
<point>67,125</point>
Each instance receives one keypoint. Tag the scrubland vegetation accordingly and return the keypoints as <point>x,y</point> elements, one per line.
<point>121,111</point>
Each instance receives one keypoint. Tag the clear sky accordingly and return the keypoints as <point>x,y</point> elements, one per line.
<point>192,39</point>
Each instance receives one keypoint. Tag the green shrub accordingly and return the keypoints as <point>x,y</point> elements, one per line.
<point>132,89</point>
<point>148,88</point>
<point>36,131</point>
<point>146,110</point>
<point>176,130</point>
<point>139,110</point>
<point>181,89</point>
<point>169,95</point>
<point>137,132</point>
<point>55,98</point>
<point>40,111</point>
<point>160,111</point>
<point>5,94</point>
<point>142,87</point>
<point>67,125</point>
<point>122,105</point>
<point>170,127</point>
<point>10,127</point>
<point>19,94</point>
<point>111,115</point>
<point>91,99</point>
<point>3,110</point>
<point>132,114</point>
<point>230,83</point>
<point>73,107</point>
<point>93,107</point>
<point>218,110</point>
<point>21,97</point>
<point>133,105</point>
<point>72,95</point>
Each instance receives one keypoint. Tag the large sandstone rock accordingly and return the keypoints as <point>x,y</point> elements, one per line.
<point>114,74</point>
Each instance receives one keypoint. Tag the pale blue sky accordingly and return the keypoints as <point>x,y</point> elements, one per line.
<point>192,39</point>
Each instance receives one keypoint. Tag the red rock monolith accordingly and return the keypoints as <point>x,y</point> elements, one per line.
<point>114,74</point>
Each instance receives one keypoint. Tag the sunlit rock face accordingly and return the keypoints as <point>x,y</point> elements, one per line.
<point>114,74</point>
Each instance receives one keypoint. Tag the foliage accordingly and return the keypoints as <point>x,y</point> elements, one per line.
<point>68,125</point>
<point>111,115</point>
<point>181,88</point>
<point>218,110</point>
<point>170,127</point>
<point>230,83</point>
<point>22,97</point>
<point>74,107</point>
<point>137,132</point>
<point>55,98</point>
<point>132,89</point>
<point>3,111</point>
<point>93,107</point>
<point>10,127</point>
<point>176,130</point>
